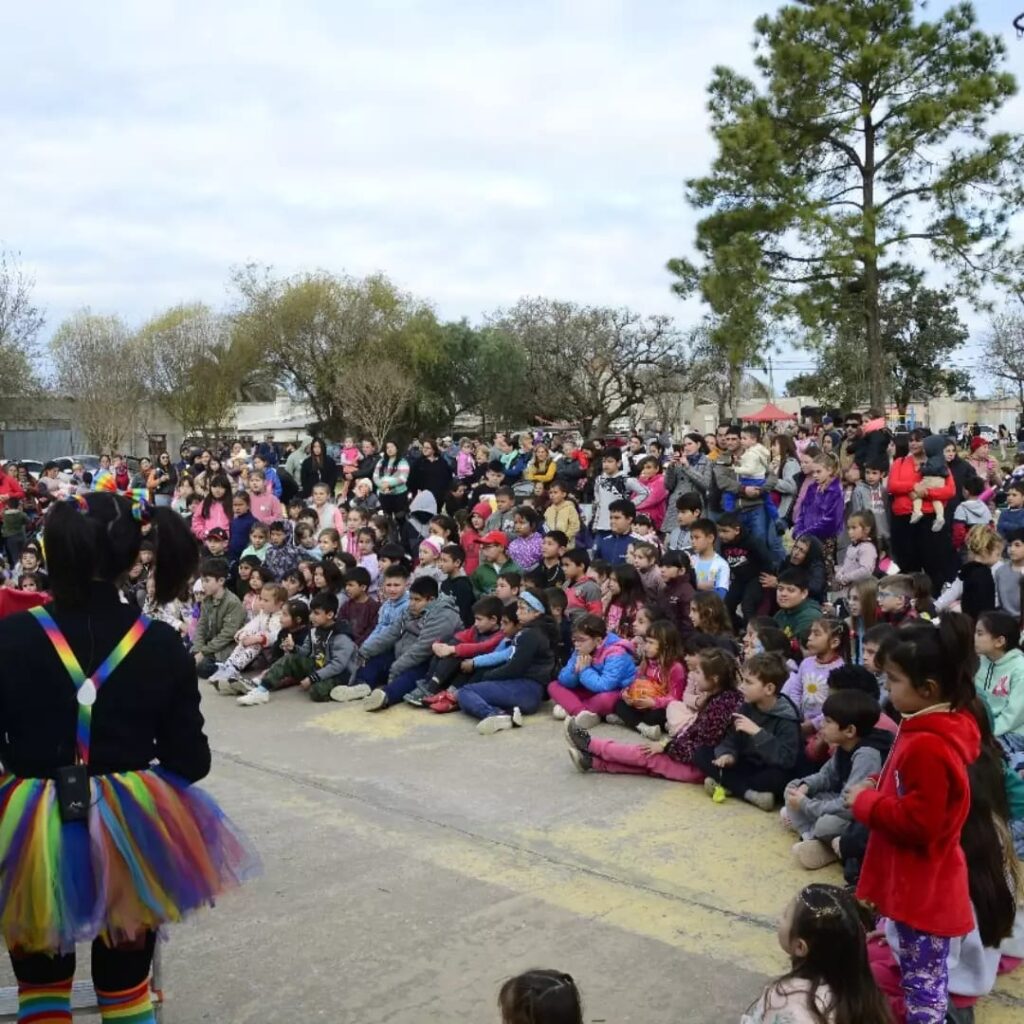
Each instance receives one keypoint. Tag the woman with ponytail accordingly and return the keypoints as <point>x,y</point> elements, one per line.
<point>102,836</point>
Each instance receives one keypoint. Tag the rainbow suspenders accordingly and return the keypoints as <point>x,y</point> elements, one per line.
<point>87,687</point>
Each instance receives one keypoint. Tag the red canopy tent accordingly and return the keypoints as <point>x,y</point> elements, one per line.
<point>769,414</point>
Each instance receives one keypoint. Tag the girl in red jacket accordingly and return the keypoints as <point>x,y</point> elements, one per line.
<point>914,869</point>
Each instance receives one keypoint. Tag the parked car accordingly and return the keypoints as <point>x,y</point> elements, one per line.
<point>988,432</point>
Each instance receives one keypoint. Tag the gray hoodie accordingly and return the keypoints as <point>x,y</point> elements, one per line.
<point>412,637</point>
<point>1008,582</point>
<point>778,742</point>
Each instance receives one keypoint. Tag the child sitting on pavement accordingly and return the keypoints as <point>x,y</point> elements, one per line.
<point>324,660</point>
<point>815,804</point>
<point>591,681</point>
<point>828,648</point>
<point>401,653</point>
<point>452,658</point>
<point>252,640</point>
<point>759,753</point>
<point>292,635</point>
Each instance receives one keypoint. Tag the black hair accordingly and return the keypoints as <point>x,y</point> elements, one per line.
<point>705,526</point>
<point>623,507</point>
<point>504,492</point>
<point>773,640</point>
<point>590,625</point>
<point>334,578</point>
<point>242,496</point>
<point>324,601</point>
<point>973,485</point>
<point>393,552</point>
<point>488,607</point>
<point>298,610</point>
<point>853,677</point>
<point>397,571</point>
<point>1001,624</point>
<point>559,537</point>
<point>218,480</point>
<point>751,429</point>
<point>1016,485</point>
<point>514,579</point>
<point>557,598</point>
<point>729,520</point>
<point>455,552</point>
<point>277,526</point>
<point>794,576</point>
<point>424,586</point>
<point>578,556</point>
<point>1013,535</point>
<point>215,567</point>
<point>612,453</point>
<point>368,531</point>
<point>689,503</point>
<point>103,544</point>
<point>944,655</point>
<point>359,576</point>
<point>448,526</point>
<point>829,923</point>
<point>835,629</point>
<point>877,634</point>
<point>694,643</point>
<point>852,707</point>
<point>676,560</point>
<point>631,587</point>
<point>510,611</point>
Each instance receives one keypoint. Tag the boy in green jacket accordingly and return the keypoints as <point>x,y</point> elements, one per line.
<point>796,609</point>
<point>221,616</point>
<point>494,562</point>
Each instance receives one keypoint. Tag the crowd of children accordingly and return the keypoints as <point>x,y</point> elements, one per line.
<point>765,612</point>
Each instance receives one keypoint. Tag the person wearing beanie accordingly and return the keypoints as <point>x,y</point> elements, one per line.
<point>984,465</point>
<point>469,538</point>
<point>429,552</point>
<point>935,472</point>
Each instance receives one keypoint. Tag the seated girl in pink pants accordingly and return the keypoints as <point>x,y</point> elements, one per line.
<point>716,674</point>
<point>598,670</point>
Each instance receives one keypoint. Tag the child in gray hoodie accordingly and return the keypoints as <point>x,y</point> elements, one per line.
<point>760,752</point>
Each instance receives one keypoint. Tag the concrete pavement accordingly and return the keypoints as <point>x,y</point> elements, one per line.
<point>412,865</point>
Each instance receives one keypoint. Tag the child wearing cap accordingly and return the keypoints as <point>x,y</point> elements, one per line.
<point>216,544</point>
<point>494,562</point>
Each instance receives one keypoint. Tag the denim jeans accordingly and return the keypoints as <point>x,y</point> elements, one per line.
<point>481,700</point>
<point>405,682</point>
<point>375,672</point>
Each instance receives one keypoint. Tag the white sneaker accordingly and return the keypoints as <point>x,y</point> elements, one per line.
<point>649,732</point>
<point>559,712</point>
<point>614,720</point>
<point>377,700</point>
<point>343,694</point>
<point>517,717</point>
<point>257,695</point>
<point>494,723</point>
<point>938,525</point>
<point>588,719</point>
<point>915,517</point>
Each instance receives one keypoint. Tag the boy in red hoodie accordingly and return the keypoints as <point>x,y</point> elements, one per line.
<point>914,869</point>
<point>442,676</point>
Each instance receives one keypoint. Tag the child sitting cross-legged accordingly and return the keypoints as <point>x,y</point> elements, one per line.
<point>293,634</point>
<point>452,660</point>
<point>324,660</point>
<point>660,679</point>
<point>599,668</point>
<point>252,640</point>
<point>713,673</point>
<point>759,753</point>
<point>815,806</point>
<point>517,687</point>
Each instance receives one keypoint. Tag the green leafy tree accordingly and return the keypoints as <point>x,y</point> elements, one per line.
<point>198,367</point>
<point>313,329</point>
<point>866,140</point>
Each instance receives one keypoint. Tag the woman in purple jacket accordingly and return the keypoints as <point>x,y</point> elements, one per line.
<point>821,512</point>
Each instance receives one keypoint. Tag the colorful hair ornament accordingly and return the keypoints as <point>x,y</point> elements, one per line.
<point>138,496</point>
<point>78,500</point>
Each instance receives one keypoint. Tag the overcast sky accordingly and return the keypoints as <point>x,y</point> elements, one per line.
<point>474,151</point>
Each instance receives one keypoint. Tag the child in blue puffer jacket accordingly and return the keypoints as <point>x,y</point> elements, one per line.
<point>598,670</point>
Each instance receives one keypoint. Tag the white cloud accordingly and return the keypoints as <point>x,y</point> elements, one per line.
<point>475,152</point>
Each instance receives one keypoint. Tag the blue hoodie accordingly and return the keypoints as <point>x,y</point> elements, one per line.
<point>612,667</point>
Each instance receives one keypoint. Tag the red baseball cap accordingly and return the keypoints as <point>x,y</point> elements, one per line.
<point>495,537</point>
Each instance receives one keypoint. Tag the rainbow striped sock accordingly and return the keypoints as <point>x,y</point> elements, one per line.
<point>44,1004</point>
<point>131,1006</point>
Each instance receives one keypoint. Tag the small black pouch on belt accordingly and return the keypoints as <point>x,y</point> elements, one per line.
<point>73,792</point>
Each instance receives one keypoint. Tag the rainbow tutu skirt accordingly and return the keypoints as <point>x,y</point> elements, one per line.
<point>153,850</point>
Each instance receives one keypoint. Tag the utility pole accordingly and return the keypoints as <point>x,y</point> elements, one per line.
<point>771,380</point>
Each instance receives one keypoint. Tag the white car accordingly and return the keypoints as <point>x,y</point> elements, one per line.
<point>988,432</point>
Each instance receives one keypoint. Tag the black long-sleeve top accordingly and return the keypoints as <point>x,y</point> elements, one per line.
<point>147,710</point>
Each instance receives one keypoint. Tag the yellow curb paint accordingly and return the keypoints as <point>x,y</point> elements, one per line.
<point>389,724</point>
